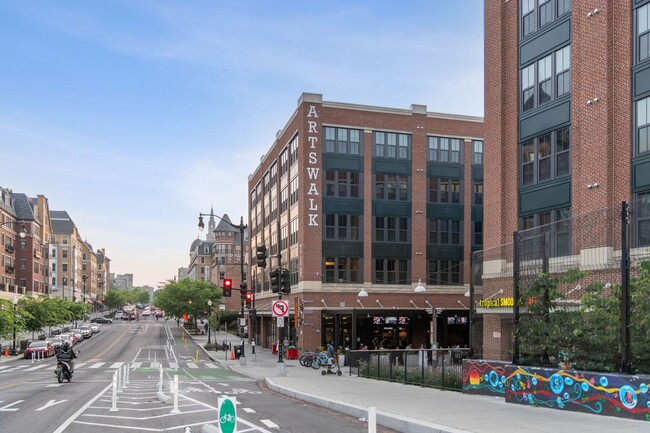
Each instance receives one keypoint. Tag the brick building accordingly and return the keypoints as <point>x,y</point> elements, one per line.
<point>373,201</point>
<point>567,87</point>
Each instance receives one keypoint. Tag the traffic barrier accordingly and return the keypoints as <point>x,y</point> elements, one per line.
<point>6,350</point>
<point>232,355</point>
<point>114,394</point>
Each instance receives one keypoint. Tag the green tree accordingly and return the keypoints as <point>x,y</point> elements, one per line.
<point>187,297</point>
<point>115,299</point>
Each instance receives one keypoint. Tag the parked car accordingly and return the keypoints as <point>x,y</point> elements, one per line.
<point>117,316</point>
<point>78,335</point>
<point>86,331</point>
<point>94,327</point>
<point>57,341</point>
<point>101,320</point>
<point>69,338</point>
<point>45,347</point>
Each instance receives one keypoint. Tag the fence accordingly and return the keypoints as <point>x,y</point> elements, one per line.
<point>547,274</point>
<point>436,368</point>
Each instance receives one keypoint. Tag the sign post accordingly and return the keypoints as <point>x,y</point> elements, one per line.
<point>280,310</point>
<point>227,414</point>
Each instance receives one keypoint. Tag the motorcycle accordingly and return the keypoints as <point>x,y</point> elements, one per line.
<point>62,371</point>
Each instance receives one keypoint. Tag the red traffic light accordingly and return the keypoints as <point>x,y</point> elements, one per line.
<point>248,296</point>
<point>227,283</point>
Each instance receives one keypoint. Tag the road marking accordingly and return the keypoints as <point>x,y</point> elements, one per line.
<point>135,365</point>
<point>269,423</point>
<point>173,365</point>
<point>81,364</point>
<point>210,365</point>
<point>53,385</point>
<point>81,410</point>
<point>239,420</point>
<point>117,365</point>
<point>36,368</point>
<point>99,364</point>
<point>9,386</point>
<point>5,366</point>
<point>192,365</point>
<point>6,407</point>
<point>50,404</point>
<point>248,410</point>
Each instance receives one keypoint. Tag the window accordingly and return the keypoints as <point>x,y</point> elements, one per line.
<point>64,253</point>
<point>341,184</point>
<point>293,270</point>
<point>643,32</point>
<point>444,232</point>
<point>557,223</point>
<point>563,65</point>
<point>444,149</point>
<point>284,162</point>
<point>391,187</point>
<point>284,200</point>
<point>546,157</point>
<point>64,267</point>
<point>444,272</point>
<point>539,78</point>
<point>478,193</point>
<point>477,146</point>
<point>391,229</point>
<point>528,17</point>
<point>342,227</point>
<point>643,126</point>
<point>545,12</point>
<point>23,264</point>
<point>443,190</point>
<point>392,145</point>
<point>267,183</point>
<point>563,6</point>
<point>535,14</point>
<point>342,141</point>
<point>293,231</point>
<point>274,174</point>
<point>477,230</point>
<point>293,151</point>
<point>391,271</point>
<point>84,257</point>
<point>342,270</point>
<point>284,232</point>
<point>293,198</point>
<point>642,217</point>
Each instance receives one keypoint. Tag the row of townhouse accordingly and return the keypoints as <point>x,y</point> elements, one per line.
<point>44,254</point>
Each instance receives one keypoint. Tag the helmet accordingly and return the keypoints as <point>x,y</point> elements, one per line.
<point>66,345</point>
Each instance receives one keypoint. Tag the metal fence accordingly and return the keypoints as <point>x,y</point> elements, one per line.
<point>435,368</point>
<point>564,258</point>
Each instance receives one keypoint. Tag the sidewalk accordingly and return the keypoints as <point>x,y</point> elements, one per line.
<point>411,409</point>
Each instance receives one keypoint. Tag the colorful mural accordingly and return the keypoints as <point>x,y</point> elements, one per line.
<point>598,393</point>
<point>484,377</point>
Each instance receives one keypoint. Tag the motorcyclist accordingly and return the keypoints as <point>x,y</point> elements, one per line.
<point>66,354</point>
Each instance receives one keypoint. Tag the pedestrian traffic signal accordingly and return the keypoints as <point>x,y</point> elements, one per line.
<point>248,297</point>
<point>285,281</point>
<point>261,256</point>
<point>275,280</point>
<point>227,288</point>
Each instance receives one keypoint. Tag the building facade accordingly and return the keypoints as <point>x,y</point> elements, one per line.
<point>9,236</point>
<point>32,272</point>
<point>567,87</point>
<point>356,200</point>
<point>66,255</point>
<point>121,281</point>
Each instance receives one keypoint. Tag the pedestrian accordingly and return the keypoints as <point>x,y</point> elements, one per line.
<point>205,328</point>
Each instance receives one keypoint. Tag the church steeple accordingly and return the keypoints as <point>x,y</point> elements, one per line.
<point>211,226</point>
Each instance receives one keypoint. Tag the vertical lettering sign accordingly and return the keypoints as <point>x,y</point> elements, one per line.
<point>312,165</point>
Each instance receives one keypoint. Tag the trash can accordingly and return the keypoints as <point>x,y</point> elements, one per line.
<point>237,352</point>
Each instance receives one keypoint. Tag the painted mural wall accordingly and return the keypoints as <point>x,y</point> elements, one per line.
<point>583,391</point>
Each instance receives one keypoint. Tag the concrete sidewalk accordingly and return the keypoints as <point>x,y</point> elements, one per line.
<point>408,408</point>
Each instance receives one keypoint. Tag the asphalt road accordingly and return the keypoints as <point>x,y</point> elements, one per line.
<point>31,399</point>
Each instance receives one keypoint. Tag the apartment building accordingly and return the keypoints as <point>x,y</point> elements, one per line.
<point>567,96</point>
<point>375,212</point>
<point>66,256</point>
<point>10,230</point>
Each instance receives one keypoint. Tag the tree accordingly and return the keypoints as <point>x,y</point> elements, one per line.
<point>187,297</point>
<point>115,299</point>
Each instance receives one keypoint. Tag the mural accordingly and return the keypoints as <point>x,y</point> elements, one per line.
<point>598,393</point>
<point>484,377</point>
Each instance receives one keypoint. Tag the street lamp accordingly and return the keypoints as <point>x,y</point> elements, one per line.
<point>13,347</point>
<point>209,315</point>
<point>65,282</point>
<point>241,228</point>
<point>83,277</point>
<point>23,231</point>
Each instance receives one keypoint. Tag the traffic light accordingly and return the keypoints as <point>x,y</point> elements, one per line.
<point>275,280</point>
<point>248,297</point>
<point>243,287</point>
<point>285,281</point>
<point>261,256</point>
<point>227,288</point>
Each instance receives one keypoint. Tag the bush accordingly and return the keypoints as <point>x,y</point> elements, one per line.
<point>210,346</point>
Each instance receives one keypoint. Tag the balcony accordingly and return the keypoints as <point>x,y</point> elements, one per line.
<point>9,249</point>
<point>37,254</point>
<point>10,269</point>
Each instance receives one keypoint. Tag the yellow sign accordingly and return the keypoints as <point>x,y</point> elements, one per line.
<point>498,302</point>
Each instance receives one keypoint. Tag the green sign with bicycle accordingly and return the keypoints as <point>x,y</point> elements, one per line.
<point>227,415</point>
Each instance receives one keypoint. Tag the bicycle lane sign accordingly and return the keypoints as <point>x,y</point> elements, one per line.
<point>227,414</point>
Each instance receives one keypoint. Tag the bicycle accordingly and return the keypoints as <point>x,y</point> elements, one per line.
<point>320,360</point>
<point>307,358</point>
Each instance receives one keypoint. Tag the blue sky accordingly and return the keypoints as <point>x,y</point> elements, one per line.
<point>134,116</point>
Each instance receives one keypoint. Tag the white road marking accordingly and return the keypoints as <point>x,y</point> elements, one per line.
<point>81,364</point>
<point>192,365</point>
<point>117,365</point>
<point>247,410</point>
<point>211,365</point>
<point>269,423</point>
<point>173,365</point>
<point>135,365</point>
<point>53,385</point>
<point>50,404</point>
<point>81,410</point>
<point>99,364</point>
<point>239,420</point>
<point>5,366</point>
<point>6,407</point>
<point>37,367</point>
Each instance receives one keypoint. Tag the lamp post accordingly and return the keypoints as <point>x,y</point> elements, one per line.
<point>209,315</point>
<point>101,293</point>
<point>13,347</point>
<point>65,282</point>
<point>243,285</point>
<point>23,231</point>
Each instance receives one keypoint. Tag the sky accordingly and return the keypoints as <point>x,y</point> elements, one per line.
<point>134,116</point>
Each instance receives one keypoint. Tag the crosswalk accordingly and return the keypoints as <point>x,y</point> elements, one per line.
<point>99,366</point>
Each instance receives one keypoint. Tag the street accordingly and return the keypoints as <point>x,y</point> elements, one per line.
<point>31,399</point>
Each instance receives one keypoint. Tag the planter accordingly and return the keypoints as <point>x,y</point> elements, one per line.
<point>274,348</point>
<point>292,353</point>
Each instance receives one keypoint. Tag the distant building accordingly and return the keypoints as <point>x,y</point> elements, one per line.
<point>182,273</point>
<point>122,281</point>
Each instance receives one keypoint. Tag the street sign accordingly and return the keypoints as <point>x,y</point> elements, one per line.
<point>227,415</point>
<point>280,322</point>
<point>280,308</point>
<point>242,321</point>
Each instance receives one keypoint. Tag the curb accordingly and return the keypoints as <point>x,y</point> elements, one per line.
<point>386,419</point>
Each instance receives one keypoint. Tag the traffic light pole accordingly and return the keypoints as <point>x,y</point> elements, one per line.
<point>281,370</point>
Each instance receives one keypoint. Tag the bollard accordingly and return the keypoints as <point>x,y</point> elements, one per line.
<point>114,396</point>
<point>160,382</point>
<point>123,376</point>
<point>175,410</point>
<point>33,356</point>
<point>372,420</point>
<point>128,373</point>
<point>119,379</point>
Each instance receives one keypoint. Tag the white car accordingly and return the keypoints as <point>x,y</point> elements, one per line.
<point>95,327</point>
